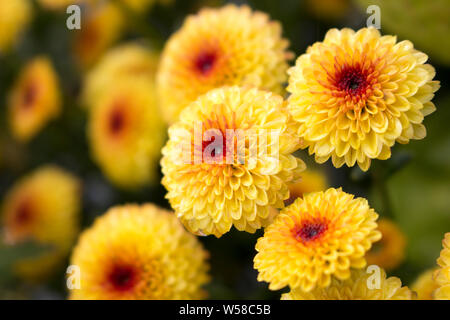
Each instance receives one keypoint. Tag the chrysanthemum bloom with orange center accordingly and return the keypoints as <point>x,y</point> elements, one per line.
<point>126,133</point>
<point>34,99</point>
<point>389,252</point>
<point>14,17</point>
<point>315,239</point>
<point>43,207</point>
<point>226,46</point>
<point>139,253</point>
<point>357,93</point>
<point>101,26</point>
<point>129,60</point>
<point>442,275</point>
<point>236,183</point>
<point>357,287</point>
<point>425,285</point>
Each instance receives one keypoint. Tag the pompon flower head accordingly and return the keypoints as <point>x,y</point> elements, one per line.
<point>129,60</point>
<point>34,99</point>
<point>425,285</point>
<point>357,93</point>
<point>442,275</point>
<point>126,133</point>
<point>315,239</point>
<point>14,17</point>
<point>311,181</point>
<point>139,253</point>
<point>226,46</point>
<point>101,26</point>
<point>389,252</point>
<point>357,287</point>
<point>43,207</point>
<point>228,159</point>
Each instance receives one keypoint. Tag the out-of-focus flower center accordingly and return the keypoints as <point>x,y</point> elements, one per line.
<point>309,231</point>
<point>205,61</point>
<point>24,213</point>
<point>116,120</point>
<point>122,277</point>
<point>29,95</point>
<point>351,80</point>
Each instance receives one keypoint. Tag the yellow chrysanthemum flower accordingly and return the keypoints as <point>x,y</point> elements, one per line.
<point>358,287</point>
<point>311,181</point>
<point>317,237</point>
<point>14,16</point>
<point>236,182</point>
<point>442,275</point>
<point>357,93</point>
<point>136,253</point>
<point>126,133</point>
<point>226,46</point>
<point>44,208</point>
<point>35,99</point>
<point>101,26</point>
<point>130,60</point>
<point>425,285</point>
<point>389,252</point>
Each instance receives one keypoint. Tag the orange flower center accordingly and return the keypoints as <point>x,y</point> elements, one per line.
<point>310,231</point>
<point>351,80</point>
<point>29,95</point>
<point>116,121</point>
<point>123,277</point>
<point>23,213</point>
<point>204,62</point>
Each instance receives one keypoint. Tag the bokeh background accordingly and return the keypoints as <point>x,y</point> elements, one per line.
<point>412,188</point>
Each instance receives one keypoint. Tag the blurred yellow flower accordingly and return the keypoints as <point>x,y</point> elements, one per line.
<point>43,207</point>
<point>311,181</point>
<point>101,26</point>
<point>126,133</point>
<point>62,4</point>
<point>236,183</point>
<point>129,60</point>
<point>35,99</point>
<point>442,275</point>
<point>425,285</point>
<point>356,288</point>
<point>357,93</point>
<point>138,5</point>
<point>226,46</point>
<point>329,9</point>
<point>139,252</point>
<point>14,17</point>
<point>315,238</point>
<point>389,252</point>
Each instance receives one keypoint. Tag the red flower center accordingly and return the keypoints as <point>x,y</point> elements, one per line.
<point>216,149</point>
<point>205,61</point>
<point>310,231</point>
<point>352,80</point>
<point>123,278</point>
<point>29,95</point>
<point>23,213</point>
<point>116,121</point>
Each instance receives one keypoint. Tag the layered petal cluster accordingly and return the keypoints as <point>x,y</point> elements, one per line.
<point>129,60</point>
<point>126,132</point>
<point>316,239</point>
<point>14,17</point>
<point>425,285</point>
<point>43,207</point>
<point>213,185</point>
<point>139,253</point>
<point>442,275</point>
<point>389,252</point>
<point>226,46</point>
<point>357,93</point>
<point>360,286</point>
<point>35,99</point>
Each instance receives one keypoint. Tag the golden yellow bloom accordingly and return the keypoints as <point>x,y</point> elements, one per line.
<point>215,191</point>
<point>226,46</point>
<point>311,181</point>
<point>389,252</point>
<point>425,285</point>
<point>442,275</point>
<point>14,16</point>
<point>317,237</point>
<point>130,60</point>
<point>35,99</point>
<point>357,93</point>
<point>139,252</point>
<point>126,133</point>
<point>101,26</point>
<point>43,207</point>
<point>357,287</point>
